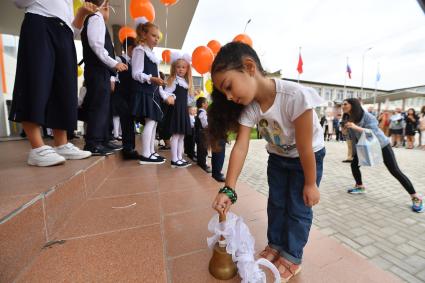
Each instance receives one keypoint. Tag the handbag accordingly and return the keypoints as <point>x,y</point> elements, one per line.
<point>369,149</point>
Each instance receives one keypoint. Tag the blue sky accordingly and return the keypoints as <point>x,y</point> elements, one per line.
<point>328,31</point>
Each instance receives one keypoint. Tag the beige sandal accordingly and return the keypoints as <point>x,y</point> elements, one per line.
<point>287,269</point>
<point>270,254</point>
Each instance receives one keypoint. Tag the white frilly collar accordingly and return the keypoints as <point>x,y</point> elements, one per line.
<point>182,82</point>
<point>149,52</point>
<point>178,81</point>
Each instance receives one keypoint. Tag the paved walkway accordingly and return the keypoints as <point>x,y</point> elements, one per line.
<point>378,225</point>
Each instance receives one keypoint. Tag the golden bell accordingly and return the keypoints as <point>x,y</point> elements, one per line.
<point>221,264</point>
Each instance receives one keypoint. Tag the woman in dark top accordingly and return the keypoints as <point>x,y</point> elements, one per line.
<point>411,126</point>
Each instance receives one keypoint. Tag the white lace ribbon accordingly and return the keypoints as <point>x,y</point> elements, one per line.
<point>240,244</point>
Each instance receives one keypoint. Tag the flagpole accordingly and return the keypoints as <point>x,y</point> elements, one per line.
<point>125,24</point>
<point>376,85</point>
<point>299,55</point>
<point>345,80</point>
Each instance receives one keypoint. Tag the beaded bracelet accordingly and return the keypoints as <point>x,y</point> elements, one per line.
<point>230,193</point>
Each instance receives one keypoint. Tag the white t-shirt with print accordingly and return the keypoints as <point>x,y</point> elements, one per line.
<point>276,125</point>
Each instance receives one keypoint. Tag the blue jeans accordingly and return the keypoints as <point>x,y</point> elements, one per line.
<point>289,219</point>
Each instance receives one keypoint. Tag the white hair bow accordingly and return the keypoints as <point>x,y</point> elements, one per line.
<point>175,55</point>
<point>140,20</point>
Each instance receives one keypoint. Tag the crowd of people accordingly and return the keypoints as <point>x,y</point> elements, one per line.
<point>406,129</point>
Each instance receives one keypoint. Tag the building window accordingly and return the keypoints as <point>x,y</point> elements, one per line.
<point>197,83</point>
<point>328,94</point>
<point>340,95</point>
<point>350,94</point>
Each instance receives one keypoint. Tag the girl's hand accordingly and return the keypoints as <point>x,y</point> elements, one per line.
<point>157,81</point>
<point>120,67</point>
<point>88,8</point>
<point>222,203</point>
<point>170,100</point>
<point>311,195</point>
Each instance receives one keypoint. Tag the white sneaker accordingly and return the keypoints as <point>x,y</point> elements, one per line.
<point>44,156</point>
<point>70,151</point>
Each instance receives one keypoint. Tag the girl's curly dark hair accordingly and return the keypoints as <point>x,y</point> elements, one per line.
<point>223,115</point>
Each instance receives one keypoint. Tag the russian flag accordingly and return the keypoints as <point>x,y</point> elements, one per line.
<point>349,71</point>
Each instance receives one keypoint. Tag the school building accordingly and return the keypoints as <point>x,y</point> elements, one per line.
<point>380,100</point>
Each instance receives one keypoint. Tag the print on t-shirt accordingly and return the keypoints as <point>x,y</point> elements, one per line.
<point>273,134</point>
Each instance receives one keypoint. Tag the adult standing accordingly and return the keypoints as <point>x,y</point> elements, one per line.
<point>411,126</point>
<point>360,121</point>
<point>422,128</point>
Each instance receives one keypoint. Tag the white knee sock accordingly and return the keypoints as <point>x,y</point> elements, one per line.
<point>146,137</point>
<point>116,122</point>
<point>174,144</point>
<point>180,148</point>
<point>153,137</point>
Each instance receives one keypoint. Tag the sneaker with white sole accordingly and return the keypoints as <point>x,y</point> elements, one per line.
<point>357,191</point>
<point>417,204</point>
<point>70,151</point>
<point>44,156</point>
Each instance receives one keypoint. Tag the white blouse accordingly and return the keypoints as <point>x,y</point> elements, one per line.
<point>62,9</point>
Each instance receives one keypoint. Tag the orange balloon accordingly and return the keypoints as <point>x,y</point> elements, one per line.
<point>166,56</point>
<point>126,32</point>
<point>243,37</point>
<point>142,8</point>
<point>169,2</point>
<point>202,58</point>
<point>214,45</point>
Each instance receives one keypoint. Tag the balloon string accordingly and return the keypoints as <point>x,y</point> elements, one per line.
<point>166,26</point>
<point>125,24</point>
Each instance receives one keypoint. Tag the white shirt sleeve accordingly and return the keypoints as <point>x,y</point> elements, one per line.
<point>300,101</point>
<point>249,116</point>
<point>204,119</point>
<point>96,37</point>
<point>138,64</point>
<point>164,95</point>
<point>190,99</point>
<point>21,4</point>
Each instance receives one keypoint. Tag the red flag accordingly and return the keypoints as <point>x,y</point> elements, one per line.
<point>300,65</point>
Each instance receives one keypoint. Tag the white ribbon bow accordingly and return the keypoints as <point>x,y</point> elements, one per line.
<point>240,244</point>
<point>175,55</point>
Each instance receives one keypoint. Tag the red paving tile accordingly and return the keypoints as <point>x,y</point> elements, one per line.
<point>17,249</point>
<point>128,186</point>
<point>111,214</point>
<point>11,203</point>
<point>133,255</point>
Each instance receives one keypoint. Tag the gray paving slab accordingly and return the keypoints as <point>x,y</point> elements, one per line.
<point>378,225</point>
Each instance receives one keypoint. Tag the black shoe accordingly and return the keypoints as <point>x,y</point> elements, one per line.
<point>220,178</point>
<point>164,147</point>
<point>130,155</point>
<point>206,168</point>
<point>347,161</point>
<point>99,150</point>
<point>194,159</point>
<point>180,164</point>
<point>159,156</point>
<point>146,161</point>
<point>112,146</point>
